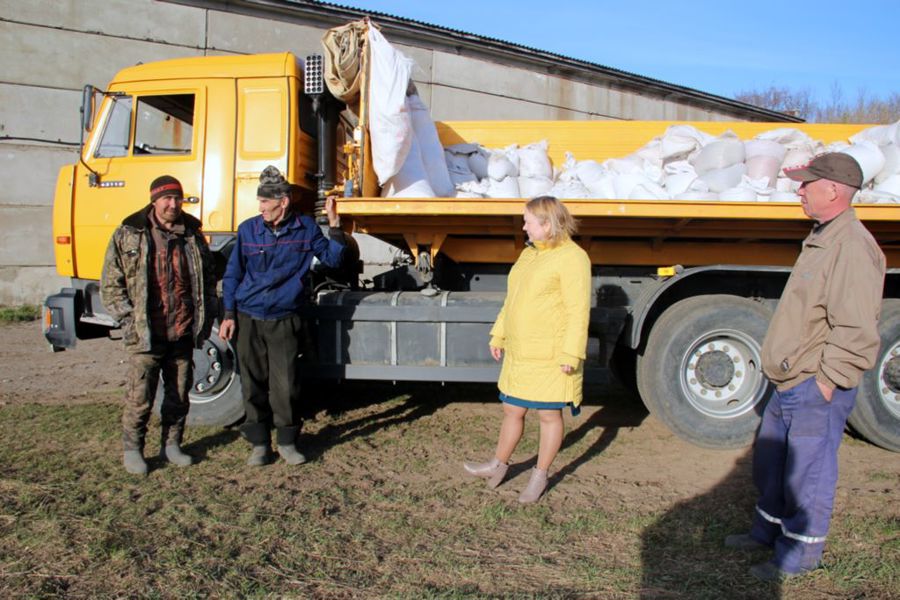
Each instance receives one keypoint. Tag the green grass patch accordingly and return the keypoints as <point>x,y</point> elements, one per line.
<point>17,314</point>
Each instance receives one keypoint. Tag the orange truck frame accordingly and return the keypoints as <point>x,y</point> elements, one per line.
<point>683,291</point>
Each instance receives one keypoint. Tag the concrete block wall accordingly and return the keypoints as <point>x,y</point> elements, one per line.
<point>51,48</point>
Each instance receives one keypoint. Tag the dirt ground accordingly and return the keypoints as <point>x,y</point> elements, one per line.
<point>625,458</point>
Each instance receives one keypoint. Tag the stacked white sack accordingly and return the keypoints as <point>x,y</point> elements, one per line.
<point>682,164</point>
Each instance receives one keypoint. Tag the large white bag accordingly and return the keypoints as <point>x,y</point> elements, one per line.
<point>390,126</point>
<point>722,153</point>
<point>430,147</point>
<point>411,181</point>
<point>869,156</point>
<point>533,160</point>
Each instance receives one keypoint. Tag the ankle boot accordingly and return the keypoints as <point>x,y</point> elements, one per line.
<point>134,462</point>
<point>494,471</point>
<point>290,454</point>
<point>259,437</point>
<point>170,447</point>
<point>286,442</point>
<point>536,486</point>
<point>260,456</point>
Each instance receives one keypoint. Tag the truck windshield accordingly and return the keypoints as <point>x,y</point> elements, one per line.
<point>117,131</point>
<point>164,124</point>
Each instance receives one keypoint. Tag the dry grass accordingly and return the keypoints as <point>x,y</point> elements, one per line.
<point>380,512</point>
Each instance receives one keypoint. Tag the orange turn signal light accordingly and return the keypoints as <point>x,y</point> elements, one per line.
<point>63,239</point>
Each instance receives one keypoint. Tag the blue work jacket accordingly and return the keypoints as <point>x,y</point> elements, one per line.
<point>264,276</point>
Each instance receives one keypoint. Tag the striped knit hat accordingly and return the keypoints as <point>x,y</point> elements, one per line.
<point>164,186</point>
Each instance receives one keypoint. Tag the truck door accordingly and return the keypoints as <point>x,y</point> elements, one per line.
<point>150,129</point>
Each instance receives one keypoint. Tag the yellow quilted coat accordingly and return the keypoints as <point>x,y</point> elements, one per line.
<point>544,323</point>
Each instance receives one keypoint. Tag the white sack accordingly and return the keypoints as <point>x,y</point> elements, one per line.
<point>881,135</point>
<point>890,185</point>
<point>779,196</point>
<point>507,188</point>
<point>534,162</point>
<point>589,171</point>
<point>679,141</point>
<point>412,179</point>
<point>738,194</point>
<point>719,154</point>
<point>430,147</point>
<point>503,163</point>
<point>530,187</point>
<point>648,190</point>
<point>569,188</point>
<point>891,162</point>
<point>722,179</point>
<point>624,166</point>
<point>786,136</point>
<point>603,187</point>
<point>390,126</point>
<point>680,174</point>
<point>869,157</point>
<point>696,196</point>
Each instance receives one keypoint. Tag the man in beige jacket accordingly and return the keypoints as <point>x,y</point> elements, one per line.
<point>823,336</point>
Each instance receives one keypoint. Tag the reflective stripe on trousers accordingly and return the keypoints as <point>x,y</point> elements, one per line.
<point>795,471</point>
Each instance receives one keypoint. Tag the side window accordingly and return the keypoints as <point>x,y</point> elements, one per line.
<point>117,130</point>
<point>164,125</point>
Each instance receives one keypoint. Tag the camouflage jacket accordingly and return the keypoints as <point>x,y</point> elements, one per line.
<point>126,272</point>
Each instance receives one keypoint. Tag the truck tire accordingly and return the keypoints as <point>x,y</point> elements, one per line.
<point>876,416</point>
<point>216,391</point>
<point>701,372</point>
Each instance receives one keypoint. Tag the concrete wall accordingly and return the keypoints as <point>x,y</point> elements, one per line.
<point>51,48</point>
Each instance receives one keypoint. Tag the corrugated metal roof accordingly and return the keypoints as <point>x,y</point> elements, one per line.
<point>481,43</point>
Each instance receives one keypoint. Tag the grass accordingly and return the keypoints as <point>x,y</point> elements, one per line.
<point>379,512</point>
<point>16,314</point>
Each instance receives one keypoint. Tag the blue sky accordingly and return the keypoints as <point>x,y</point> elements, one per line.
<point>719,47</point>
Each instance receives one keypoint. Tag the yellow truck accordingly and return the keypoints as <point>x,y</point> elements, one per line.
<point>683,290</point>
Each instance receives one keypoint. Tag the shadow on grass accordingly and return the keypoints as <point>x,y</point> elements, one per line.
<point>620,409</point>
<point>683,553</point>
<point>420,400</point>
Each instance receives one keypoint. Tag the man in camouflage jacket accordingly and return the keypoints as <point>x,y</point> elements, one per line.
<point>159,282</point>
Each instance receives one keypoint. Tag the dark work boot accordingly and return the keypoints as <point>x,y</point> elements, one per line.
<point>286,440</point>
<point>258,435</point>
<point>170,447</point>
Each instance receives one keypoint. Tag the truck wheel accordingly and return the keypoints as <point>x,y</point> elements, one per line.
<point>877,413</point>
<point>216,391</point>
<point>701,372</point>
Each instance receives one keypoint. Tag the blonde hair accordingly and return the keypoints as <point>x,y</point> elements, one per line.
<point>548,209</point>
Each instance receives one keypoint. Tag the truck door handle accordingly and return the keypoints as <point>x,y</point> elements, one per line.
<point>192,200</point>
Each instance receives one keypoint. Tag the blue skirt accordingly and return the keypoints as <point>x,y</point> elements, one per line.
<point>576,410</point>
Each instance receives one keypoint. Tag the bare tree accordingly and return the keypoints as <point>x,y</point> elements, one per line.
<point>793,102</point>
<point>865,108</point>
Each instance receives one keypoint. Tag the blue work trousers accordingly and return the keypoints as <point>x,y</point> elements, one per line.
<point>795,470</point>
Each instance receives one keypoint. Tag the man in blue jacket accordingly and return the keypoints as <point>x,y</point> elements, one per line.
<point>263,289</point>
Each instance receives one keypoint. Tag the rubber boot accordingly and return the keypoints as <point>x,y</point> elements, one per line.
<point>536,486</point>
<point>170,447</point>
<point>286,440</point>
<point>494,471</point>
<point>258,435</point>
<point>134,462</point>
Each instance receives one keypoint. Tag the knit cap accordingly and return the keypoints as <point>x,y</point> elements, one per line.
<point>272,183</point>
<point>165,185</point>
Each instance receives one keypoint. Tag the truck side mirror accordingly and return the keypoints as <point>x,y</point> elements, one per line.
<point>87,107</point>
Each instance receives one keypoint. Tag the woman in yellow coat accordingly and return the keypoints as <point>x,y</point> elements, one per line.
<point>541,336</point>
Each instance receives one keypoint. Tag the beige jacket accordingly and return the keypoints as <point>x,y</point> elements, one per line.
<point>826,323</point>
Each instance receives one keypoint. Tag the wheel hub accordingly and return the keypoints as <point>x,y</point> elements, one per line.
<point>721,376</point>
<point>715,369</point>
